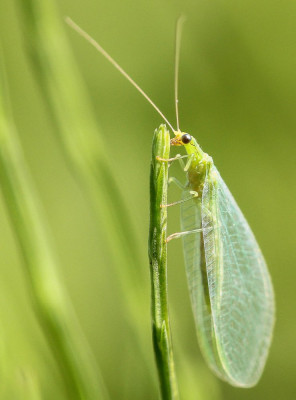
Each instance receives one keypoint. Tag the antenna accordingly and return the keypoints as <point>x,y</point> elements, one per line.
<point>98,47</point>
<point>179,27</point>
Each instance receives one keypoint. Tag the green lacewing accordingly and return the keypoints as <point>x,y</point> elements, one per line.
<point>229,284</point>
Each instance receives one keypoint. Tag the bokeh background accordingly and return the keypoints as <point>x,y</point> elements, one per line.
<point>238,98</point>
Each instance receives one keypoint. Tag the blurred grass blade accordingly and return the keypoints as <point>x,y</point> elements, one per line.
<point>27,385</point>
<point>77,131</point>
<point>158,265</point>
<point>196,381</point>
<point>76,126</point>
<point>77,367</point>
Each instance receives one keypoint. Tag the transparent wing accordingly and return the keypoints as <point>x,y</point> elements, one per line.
<point>197,282</point>
<point>240,288</point>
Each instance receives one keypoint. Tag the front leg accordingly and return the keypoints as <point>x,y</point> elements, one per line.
<point>189,161</point>
<point>185,167</point>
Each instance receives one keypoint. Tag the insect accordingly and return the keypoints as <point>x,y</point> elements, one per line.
<point>230,287</point>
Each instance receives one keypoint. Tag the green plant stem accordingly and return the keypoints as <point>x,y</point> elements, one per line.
<point>52,306</point>
<point>158,265</point>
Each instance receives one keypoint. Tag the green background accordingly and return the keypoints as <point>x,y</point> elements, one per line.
<point>238,98</point>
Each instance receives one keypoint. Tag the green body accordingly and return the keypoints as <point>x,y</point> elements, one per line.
<point>229,284</point>
<point>200,161</point>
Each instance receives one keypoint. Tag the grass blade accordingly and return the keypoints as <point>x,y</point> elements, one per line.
<point>78,133</point>
<point>158,265</point>
<point>77,367</point>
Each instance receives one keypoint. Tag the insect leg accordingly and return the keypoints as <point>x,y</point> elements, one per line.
<point>181,161</point>
<point>190,158</point>
<point>174,180</point>
<point>193,193</point>
<point>180,234</point>
<point>177,157</point>
<point>180,158</point>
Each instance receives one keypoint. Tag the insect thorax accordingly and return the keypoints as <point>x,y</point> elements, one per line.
<point>197,173</point>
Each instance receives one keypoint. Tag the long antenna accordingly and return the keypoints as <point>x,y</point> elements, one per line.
<point>179,27</point>
<point>98,47</point>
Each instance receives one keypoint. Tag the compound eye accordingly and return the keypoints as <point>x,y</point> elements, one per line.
<point>186,138</point>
